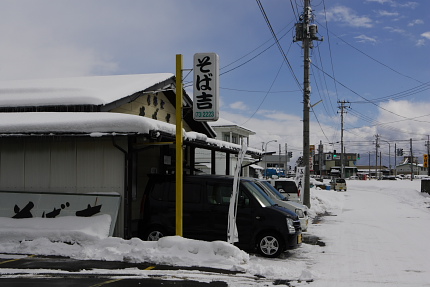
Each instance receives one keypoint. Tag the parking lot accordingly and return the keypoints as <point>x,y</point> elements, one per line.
<point>52,271</point>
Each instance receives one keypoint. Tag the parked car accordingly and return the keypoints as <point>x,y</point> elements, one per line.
<point>261,225</point>
<point>338,184</point>
<point>287,187</point>
<point>280,199</point>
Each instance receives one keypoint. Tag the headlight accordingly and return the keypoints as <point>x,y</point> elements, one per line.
<point>300,213</point>
<point>290,226</point>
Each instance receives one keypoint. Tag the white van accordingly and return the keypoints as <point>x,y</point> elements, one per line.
<point>338,184</point>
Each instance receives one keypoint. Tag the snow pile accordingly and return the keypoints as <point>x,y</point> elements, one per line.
<point>323,201</point>
<point>65,229</point>
<point>171,250</point>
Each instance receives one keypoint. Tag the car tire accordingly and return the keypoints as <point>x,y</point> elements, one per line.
<point>270,245</point>
<point>154,233</point>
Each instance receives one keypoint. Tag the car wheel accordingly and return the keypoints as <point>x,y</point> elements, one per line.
<point>270,245</point>
<point>154,234</point>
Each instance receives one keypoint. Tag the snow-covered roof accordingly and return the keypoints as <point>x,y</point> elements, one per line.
<point>226,123</point>
<point>86,123</point>
<point>97,90</point>
<point>95,124</point>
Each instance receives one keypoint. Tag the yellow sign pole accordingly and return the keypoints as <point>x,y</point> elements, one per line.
<point>179,143</point>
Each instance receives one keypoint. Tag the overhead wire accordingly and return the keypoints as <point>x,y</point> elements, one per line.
<point>357,94</point>
<point>277,42</point>
<point>372,58</point>
<point>249,60</point>
<point>262,101</point>
<point>407,93</point>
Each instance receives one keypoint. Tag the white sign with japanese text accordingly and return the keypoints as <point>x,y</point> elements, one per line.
<point>300,181</point>
<point>206,87</point>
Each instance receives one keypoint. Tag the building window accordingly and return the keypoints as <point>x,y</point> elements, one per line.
<point>235,139</point>
<point>226,137</point>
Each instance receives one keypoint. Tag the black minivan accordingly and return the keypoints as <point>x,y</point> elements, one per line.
<point>261,224</point>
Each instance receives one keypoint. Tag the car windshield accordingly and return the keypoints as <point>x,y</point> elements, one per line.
<point>272,189</point>
<point>258,194</point>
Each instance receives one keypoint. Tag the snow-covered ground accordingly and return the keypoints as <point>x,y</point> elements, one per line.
<point>375,234</point>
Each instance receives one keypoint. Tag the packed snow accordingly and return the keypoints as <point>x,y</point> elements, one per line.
<point>375,234</point>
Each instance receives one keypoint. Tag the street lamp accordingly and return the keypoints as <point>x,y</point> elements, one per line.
<point>265,160</point>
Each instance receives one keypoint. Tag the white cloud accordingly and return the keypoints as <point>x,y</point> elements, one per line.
<point>404,117</point>
<point>409,4</point>
<point>395,30</point>
<point>415,22</point>
<point>388,14</point>
<point>426,35</point>
<point>420,42</point>
<point>347,16</point>
<point>238,106</point>
<point>381,1</point>
<point>365,39</point>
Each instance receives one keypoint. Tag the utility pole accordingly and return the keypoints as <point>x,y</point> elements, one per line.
<point>395,159</point>
<point>279,161</point>
<point>306,33</point>
<point>320,157</point>
<point>286,160</point>
<point>412,161</point>
<point>342,163</point>
<point>376,161</point>
<point>428,154</point>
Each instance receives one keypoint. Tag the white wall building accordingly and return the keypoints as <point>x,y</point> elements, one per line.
<point>226,131</point>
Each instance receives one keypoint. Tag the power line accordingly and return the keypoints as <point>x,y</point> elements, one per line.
<point>407,93</point>
<point>262,101</point>
<point>377,61</point>
<point>277,41</point>
<point>354,92</point>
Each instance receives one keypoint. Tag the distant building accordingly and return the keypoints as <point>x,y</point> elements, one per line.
<point>328,164</point>
<point>405,168</point>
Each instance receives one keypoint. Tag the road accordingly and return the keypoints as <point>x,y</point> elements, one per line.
<point>377,235</point>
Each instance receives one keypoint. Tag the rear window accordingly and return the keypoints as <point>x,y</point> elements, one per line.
<point>287,186</point>
<point>340,180</point>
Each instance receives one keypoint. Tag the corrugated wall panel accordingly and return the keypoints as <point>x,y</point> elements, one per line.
<point>12,164</point>
<point>89,165</point>
<point>37,164</point>
<point>63,165</point>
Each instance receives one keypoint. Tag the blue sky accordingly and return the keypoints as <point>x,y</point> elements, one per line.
<point>374,55</point>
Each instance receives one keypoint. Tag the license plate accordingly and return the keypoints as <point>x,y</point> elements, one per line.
<point>299,239</point>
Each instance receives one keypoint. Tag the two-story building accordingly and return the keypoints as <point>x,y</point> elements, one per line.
<point>329,164</point>
<point>227,132</point>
